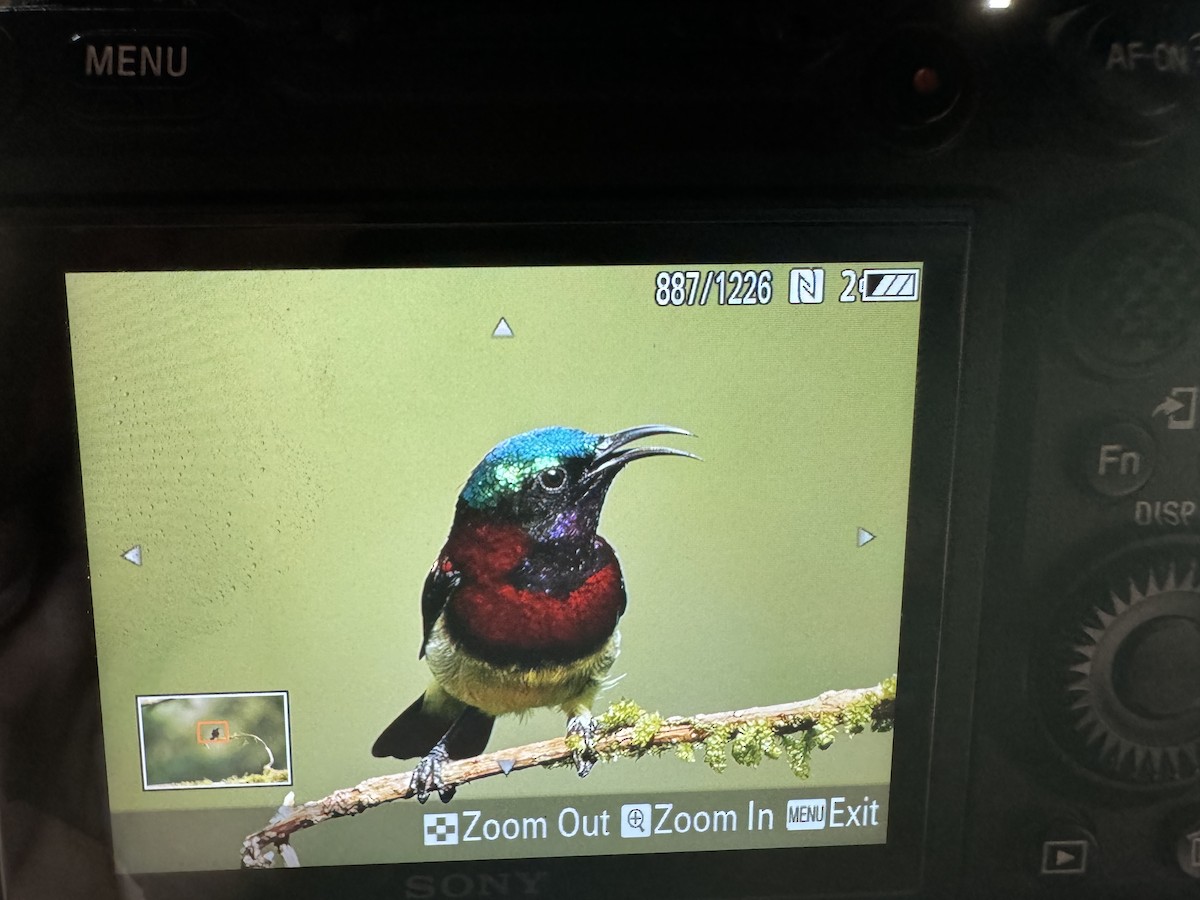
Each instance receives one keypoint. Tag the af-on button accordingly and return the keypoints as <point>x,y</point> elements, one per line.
<point>1118,459</point>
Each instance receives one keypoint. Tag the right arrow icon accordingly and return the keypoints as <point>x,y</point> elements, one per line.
<point>864,537</point>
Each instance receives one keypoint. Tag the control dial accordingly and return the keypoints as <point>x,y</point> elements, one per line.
<point>1130,686</point>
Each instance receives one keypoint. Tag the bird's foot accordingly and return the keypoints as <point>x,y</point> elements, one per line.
<point>584,726</point>
<point>427,776</point>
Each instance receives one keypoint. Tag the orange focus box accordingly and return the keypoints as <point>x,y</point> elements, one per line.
<point>206,730</point>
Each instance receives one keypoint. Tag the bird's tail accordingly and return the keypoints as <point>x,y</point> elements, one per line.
<point>430,718</point>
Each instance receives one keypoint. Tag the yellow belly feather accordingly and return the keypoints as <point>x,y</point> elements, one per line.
<point>498,690</point>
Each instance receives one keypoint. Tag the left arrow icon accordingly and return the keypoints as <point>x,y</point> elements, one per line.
<point>133,554</point>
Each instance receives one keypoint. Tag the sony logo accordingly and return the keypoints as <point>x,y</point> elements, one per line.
<point>460,884</point>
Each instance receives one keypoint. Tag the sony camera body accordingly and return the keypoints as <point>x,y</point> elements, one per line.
<point>292,295</point>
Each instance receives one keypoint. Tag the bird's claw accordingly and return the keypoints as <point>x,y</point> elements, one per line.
<point>585,757</point>
<point>427,776</point>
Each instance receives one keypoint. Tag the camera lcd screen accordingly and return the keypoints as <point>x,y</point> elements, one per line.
<point>293,484</point>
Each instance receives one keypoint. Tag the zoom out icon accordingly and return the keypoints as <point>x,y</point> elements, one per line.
<point>635,820</point>
<point>441,829</point>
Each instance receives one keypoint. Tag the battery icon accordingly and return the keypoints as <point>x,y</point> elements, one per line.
<point>890,284</point>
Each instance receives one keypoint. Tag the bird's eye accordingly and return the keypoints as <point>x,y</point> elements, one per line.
<point>553,479</point>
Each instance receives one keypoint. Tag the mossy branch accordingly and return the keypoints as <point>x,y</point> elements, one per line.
<point>792,730</point>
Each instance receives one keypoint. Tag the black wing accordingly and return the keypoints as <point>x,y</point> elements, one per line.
<point>440,583</point>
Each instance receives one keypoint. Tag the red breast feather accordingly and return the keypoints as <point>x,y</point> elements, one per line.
<point>506,625</point>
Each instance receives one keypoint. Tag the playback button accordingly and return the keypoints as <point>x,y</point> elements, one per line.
<point>1067,851</point>
<point>1064,858</point>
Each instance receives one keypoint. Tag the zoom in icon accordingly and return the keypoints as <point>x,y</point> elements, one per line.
<point>635,820</point>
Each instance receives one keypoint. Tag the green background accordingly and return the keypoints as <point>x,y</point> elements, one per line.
<point>287,448</point>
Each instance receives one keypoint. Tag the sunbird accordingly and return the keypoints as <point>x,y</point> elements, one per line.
<point>520,609</point>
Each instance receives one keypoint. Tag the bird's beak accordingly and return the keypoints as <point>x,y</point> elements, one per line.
<point>612,453</point>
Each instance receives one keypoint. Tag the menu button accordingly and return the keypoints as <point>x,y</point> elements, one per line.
<point>142,60</point>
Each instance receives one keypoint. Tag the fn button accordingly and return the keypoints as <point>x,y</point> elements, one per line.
<point>1119,459</point>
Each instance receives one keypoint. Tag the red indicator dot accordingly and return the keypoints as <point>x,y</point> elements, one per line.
<point>926,81</point>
